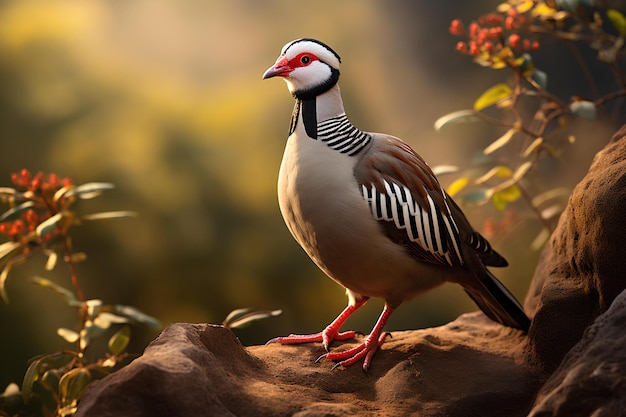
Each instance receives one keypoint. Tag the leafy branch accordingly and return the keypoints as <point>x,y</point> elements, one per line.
<point>42,212</point>
<point>533,120</point>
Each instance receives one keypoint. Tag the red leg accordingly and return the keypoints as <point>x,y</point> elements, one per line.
<point>326,336</point>
<point>368,348</point>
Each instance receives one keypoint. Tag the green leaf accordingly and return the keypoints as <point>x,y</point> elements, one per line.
<point>69,296</point>
<point>239,320</point>
<point>50,379</point>
<point>458,185</point>
<point>444,169</point>
<point>119,341</point>
<point>38,365</point>
<point>78,257</point>
<point>499,171</point>
<point>540,239</point>
<point>110,215</point>
<point>522,170</point>
<point>11,389</point>
<point>503,197</point>
<point>477,197</point>
<point>3,279</point>
<point>93,307</point>
<point>91,189</point>
<point>7,192</point>
<point>30,377</point>
<point>234,314</point>
<point>48,226</point>
<point>105,319</point>
<point>492,96</point>
<point>552,211</point>
<point>90,331</point>
<point>72,384</point>
<point>136,315</point>
<point>500,142</point>
<point>460,116</point>
<point>16,212</point>
<point>70,336</point>
<point>62,192</point>
<point>546,196</point>
<point>618,21</point>
<point>51,262</point>
<point>7,247</point>
<point>583,108</point>
<point>533,147</point>
<point>540,77</point>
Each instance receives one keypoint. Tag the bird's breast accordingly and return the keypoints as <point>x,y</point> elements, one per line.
<point>322,205</point>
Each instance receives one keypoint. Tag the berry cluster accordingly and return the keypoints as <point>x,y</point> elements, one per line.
<point>494,37</point>
<point>27,223</point>
<point>38,183</point>
<point>39,190</point>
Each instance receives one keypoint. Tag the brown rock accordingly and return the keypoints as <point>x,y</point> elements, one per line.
<point>202,370</point>
<point>582,268</point>
<point>591,381</point>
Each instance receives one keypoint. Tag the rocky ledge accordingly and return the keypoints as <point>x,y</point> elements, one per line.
<point>571,363</point>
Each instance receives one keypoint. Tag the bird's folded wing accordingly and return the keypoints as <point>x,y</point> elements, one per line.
<point>412,207</point>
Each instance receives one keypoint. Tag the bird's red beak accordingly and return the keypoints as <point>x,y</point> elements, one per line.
<point>280,69</point>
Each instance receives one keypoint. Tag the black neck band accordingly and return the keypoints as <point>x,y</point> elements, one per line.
<point>308,109</point>
<point>320,89</point>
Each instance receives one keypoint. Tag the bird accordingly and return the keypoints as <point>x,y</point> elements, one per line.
<point>370,212</point>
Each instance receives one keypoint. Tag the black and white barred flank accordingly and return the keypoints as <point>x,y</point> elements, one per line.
<point>339,134</point>
<point>432,227</point>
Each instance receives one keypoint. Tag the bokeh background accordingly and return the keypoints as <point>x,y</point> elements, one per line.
<point>165,100</point>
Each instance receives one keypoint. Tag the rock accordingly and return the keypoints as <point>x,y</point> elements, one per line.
<point>590,381</point>
<point>582,268</point>
<point>203,370</point>
<point>469,367</point>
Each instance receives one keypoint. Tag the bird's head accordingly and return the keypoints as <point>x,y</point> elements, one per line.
<point>309,67</point>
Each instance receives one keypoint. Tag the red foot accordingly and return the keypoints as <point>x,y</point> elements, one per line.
<point>326,337</point>
<point>330,333</point>
<point>365,351</point>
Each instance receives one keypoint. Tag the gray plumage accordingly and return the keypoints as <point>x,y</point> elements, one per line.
<point>369,211</point>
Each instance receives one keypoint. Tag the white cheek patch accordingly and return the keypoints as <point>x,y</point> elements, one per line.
<point>306,78</point>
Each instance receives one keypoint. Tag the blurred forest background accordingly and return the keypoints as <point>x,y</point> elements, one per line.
<point>165,100</point>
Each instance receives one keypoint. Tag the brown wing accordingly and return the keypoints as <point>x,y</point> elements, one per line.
<point>412,207</point>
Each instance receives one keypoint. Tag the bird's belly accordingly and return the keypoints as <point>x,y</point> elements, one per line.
<point>326,213</point>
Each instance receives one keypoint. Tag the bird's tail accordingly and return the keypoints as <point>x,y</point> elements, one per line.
<point>496,301</point>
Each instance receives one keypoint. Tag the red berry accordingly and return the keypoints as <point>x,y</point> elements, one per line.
<point>53,180</point>
<point>456,27</point>
<point>16,228</point>
<point>473,48</point>
<point>493,18</point>
<point>473,29</point>
<point>514,40</point>
<point>509,23</point>
<point>461,47</point>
